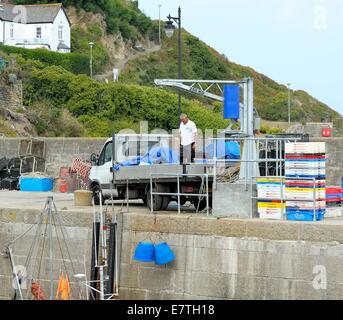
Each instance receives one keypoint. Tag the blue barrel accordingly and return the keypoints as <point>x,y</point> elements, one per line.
<point>145,252</point>
<point>231,102</point>
<point>163,254</point>
<point>342,182</point>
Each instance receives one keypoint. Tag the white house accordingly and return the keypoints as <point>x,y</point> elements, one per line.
<point>35,26</point>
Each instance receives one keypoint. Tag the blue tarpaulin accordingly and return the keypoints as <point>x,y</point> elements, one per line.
<point>227,150</point>
<point>154,156</point>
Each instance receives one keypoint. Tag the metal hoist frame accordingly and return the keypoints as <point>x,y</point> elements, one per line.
<point>249,119</point>
<point>204,88</point>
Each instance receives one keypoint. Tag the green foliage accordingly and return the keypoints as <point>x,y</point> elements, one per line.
<point>80,39</point>
<point>199,61</point>
<point>73,62</point>
<point>120,15</point>
<point>267,130</point>
<point>101,108</point>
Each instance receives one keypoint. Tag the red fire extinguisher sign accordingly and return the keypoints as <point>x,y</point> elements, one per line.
<point>326,133</point>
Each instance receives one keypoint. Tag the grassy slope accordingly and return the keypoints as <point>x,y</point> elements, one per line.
<point>90,108</point>
<point>202,62</point>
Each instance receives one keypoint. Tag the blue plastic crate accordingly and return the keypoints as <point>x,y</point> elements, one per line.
<point>304,215</point>
<point>36,184</point>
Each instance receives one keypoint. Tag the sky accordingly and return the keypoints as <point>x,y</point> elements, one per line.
<point>291,41</point>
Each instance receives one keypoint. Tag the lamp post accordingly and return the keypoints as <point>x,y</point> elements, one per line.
<point>289,103</point>
<point>91,45</point>
<point>169,29</point>
<point>159,24</point>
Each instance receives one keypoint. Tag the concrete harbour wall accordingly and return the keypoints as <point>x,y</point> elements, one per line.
<point>60,152</point>
<point>14,222</point>
<point>215,258</point>
<point>234,259</point>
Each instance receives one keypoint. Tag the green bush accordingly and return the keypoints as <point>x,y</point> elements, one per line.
<point>102,108</point>
<point>80,39</point>
<point>73,62</point>
<point>120,15</point>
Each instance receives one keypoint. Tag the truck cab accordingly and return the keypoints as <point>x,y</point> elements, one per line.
<point>124,148</point>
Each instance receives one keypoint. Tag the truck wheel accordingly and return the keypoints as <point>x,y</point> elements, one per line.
<point>165,203</point>
<point>157,201</point>
<point>96,191</point>
<point>200,206</point>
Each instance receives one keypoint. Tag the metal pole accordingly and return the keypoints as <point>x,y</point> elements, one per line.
<point>91,61</point>
<point>127,195</point>
<point>207,197</point>
<point>178,195</point>
<point>289,103</point>
<point>215,165</point>
<point>50,248</point>
<point>314,200</point>
<point>14,270</point>
<point>151,197</point>
<point>103,252</point>
<point>281,198</point>
<point>179,61</point>
<point>159,24</point>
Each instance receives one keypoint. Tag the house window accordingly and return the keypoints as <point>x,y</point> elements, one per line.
<point>39,32</point>
<point>60,33</point>
<point>12,31</point>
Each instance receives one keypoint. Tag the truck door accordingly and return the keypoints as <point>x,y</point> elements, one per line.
<point>102,170</point>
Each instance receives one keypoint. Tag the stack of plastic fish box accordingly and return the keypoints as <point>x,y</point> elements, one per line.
<point>334,198</point>
<point>305,180</point>
<point>270,191</point>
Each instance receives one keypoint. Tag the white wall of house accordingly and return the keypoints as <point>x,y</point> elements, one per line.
<point>60,24</point>
<point>28,35</point>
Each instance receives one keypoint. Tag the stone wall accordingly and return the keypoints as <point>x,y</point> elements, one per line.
<point>234,259</point>
<point>215,258</point>
<point>15,222</point>
<point>59,151</point>
<point>334,164</point>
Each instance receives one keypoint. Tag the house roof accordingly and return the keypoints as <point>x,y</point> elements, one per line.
<point>36,13</point>
<point>62,45</point>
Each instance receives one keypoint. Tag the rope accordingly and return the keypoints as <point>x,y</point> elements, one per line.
<point>28,259</point>
<point>42,252</point>
<point>66,243</point>
<point>60,247</point>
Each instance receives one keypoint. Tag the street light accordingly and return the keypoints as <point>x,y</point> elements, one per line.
<point>169,30</point>
<point>159,24</point>
<point>289,103</point>
<point>91,45</point>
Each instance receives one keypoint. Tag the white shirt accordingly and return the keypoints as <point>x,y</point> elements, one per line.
<point>188,132</point>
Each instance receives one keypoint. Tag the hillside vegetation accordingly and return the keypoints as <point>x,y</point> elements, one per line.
<point>202,62</point>
<point>61,99</point>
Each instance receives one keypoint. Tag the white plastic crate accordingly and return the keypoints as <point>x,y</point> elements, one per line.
<point>305,148</point>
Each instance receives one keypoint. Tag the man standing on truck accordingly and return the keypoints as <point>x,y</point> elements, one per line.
<point>188,131</point>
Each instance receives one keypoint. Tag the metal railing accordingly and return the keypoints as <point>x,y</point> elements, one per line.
<point>179,194</point>
<point>264,143</point>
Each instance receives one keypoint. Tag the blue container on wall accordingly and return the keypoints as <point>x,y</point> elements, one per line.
<point>145,252</point>
<point>231,102</point>
<point>342,182</point>
<point>36,184</point>
<point>163,254</point>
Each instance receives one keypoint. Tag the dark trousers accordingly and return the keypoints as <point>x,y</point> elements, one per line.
<point>187,153</point>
